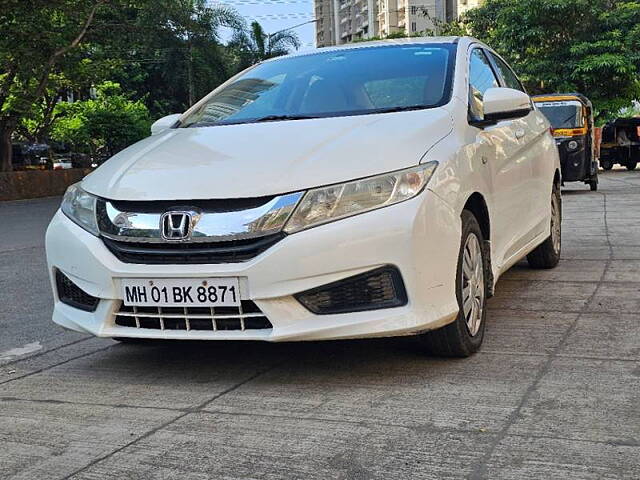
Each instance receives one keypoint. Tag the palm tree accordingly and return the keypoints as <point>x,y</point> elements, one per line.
<point>256,45</point>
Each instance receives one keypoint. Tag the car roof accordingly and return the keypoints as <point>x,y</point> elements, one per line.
<point>382,43</point>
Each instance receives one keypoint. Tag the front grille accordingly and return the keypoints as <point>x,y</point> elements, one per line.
<point>232,251</point>
<point>246,317</point>
<point>373,290</point>
<point>70,294</point>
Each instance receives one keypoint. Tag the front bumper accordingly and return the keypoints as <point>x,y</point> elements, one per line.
<point>421,237</point>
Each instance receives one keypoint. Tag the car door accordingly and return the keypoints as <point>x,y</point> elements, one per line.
<point>530,132</point>
<point>508,170</point>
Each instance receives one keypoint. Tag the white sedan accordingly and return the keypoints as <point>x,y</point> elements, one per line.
<point>378,189</point>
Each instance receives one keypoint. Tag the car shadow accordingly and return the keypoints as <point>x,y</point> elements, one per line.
<point>577,192</point>
<point>217,355</point>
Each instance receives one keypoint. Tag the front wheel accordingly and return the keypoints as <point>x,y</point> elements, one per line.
<point>547,255</point>
<point>464,336</point>
<point>631,165</point>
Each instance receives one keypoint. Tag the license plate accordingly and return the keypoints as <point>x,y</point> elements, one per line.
<point>181,292</point>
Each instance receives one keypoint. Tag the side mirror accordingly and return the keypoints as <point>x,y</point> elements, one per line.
<point>163,123</point>
<point>505,104</point>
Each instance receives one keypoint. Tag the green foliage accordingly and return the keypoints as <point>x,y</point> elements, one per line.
<point>255,45</point>
<point>589,46</point>
<point>102,126</point>
<point>169,52</point>
<point>166,53</point>
<point>631,111</point>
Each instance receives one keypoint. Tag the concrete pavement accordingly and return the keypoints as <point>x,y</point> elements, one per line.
<point>553,394</point>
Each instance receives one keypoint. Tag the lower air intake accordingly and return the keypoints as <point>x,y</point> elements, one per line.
<point>374,290</point>
<point>70,294</point>
<point>246,317</point>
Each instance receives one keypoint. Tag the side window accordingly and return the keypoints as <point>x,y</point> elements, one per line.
<point>507,74</point>
<point>481,79</point>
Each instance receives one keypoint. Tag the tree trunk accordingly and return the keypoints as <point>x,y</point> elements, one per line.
<point>191,89</point>
<point>5,149</point>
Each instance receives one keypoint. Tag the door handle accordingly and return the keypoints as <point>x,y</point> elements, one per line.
<point>520,133</point>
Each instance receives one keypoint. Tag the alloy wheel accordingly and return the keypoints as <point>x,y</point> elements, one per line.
<point>473,289</point>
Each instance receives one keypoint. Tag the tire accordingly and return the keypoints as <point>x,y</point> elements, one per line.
<point>463,337</point>
<point>606,164</point>
<point>593,185</point>
<point>547,254</point>
<point>631,166</point>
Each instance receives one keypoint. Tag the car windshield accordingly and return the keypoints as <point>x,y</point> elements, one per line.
<point>563,114</point>
<point>334,83</point>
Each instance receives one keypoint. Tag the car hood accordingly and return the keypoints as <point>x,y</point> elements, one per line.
<point>262,159</point>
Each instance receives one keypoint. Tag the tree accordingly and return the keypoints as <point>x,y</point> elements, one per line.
<point>167,51</point>
<point>36,36</point>
<point>255,45</point>
<point>102,126</point>
<point>589,46</point>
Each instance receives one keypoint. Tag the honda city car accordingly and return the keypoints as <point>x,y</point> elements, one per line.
<point>377,189</point>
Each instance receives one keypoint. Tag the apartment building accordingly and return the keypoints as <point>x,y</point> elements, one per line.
<point>325,23</point>
<point>411,16</point>
<point>343,21</point>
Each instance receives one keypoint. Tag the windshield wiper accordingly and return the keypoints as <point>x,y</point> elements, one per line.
<point>407,108</point>
<point>276,118</point>
<point>268,118</point>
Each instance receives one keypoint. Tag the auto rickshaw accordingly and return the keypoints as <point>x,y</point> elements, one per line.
<point>571,118</point>
<point>621,143</point>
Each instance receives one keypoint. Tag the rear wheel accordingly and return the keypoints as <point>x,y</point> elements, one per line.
<point>464,336</point>
<point>631,165</point>
<point>606,164</point>
<point>593,185</point>
<point>547,255</point>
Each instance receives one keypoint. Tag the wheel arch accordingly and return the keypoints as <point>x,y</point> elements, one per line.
<point>477,205</point>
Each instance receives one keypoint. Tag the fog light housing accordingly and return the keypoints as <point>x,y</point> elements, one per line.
<point>374,290</point>
<point>70,294</point>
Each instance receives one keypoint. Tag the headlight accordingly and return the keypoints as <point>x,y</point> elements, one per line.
<point>326,204</point>
<point>80,207</point>
<point>572,145</point>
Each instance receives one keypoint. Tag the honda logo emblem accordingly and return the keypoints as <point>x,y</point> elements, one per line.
<point>177,226</point>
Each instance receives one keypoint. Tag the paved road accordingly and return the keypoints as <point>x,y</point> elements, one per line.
<point>553,394</point>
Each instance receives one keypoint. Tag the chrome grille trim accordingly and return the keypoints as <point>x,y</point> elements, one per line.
<point>142,224</point>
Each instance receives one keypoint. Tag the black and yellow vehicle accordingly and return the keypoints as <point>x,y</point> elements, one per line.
<point>621,143</point>
<point>571,118</point>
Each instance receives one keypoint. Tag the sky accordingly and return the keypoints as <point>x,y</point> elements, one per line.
<point>275,15</point>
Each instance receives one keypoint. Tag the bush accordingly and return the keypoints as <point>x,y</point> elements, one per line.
<point>102,126</point>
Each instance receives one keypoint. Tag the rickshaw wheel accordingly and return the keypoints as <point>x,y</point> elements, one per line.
<point>606,164</point>
<point>631,165</point>
<point>593,185</point>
